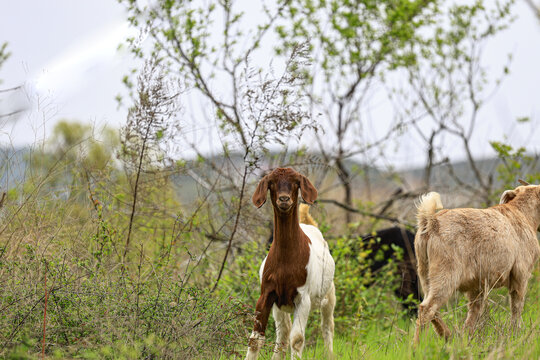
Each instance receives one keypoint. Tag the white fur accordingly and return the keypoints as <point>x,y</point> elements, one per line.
<point>320,267</point>
<point>256,342</point>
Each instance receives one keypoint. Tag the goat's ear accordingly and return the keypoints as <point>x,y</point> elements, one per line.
<point>309,193</point>
<point>259,197</point>
<point>507,196</point>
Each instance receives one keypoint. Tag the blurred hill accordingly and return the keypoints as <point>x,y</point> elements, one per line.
<point>369,183</point>
<point>13,166</point>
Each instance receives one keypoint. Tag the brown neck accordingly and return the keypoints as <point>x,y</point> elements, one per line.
<point>288,237</point>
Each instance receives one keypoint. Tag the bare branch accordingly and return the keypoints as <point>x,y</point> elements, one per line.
<point>362,212</point>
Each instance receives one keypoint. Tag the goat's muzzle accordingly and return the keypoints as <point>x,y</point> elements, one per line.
<point>284,202</point>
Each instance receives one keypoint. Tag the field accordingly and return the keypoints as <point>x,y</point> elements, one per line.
<point>493,341</point>
<point>84,275</point>
<point>143,241</point>
<point>109,249</point>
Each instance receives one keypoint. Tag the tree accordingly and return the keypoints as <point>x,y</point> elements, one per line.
<point>4,56</point>
<point>252,107</point>
<point>448,86</point>
<point>148,125</point>
<point>72,152</point>
<point>353,45</point>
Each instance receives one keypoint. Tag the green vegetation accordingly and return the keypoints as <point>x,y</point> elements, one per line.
<point>390,335</point>
<point>116,244</point>
<point>64,278</point>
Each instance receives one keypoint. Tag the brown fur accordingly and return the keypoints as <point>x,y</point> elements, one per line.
<point>474,251</point>
<point>285,267</point>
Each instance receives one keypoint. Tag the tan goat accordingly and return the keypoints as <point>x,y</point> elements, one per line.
<point>474,251</point>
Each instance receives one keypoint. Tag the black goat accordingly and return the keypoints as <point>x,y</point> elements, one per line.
<point>403,239</point>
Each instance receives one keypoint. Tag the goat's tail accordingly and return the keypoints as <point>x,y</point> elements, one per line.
<point>305,217</point>
<point>428,205</point>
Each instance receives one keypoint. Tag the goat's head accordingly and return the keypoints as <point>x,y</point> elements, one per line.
<point>524,194</point>
<point>525,191</point>
<point>284,184</point>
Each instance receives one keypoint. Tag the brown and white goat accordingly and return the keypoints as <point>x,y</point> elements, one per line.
<point>298,272</point>
<point>474,251</point>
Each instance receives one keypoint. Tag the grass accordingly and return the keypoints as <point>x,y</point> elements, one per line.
<point>494,339</point>
<point>65,236</point>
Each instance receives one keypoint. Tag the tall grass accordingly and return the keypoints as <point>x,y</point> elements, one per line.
<point>494,339</point>
<point>67,291</point>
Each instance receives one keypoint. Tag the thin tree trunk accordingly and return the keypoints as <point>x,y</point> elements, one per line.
<point>135,192</point>
<point>344,177</point>
<point>238,211</point>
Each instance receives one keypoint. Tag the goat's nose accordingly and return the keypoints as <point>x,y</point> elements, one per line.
<point>284,198</point>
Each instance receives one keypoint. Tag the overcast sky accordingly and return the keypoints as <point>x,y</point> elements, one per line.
<point>65,54</point>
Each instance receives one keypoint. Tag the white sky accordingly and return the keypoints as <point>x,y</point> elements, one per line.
<point>65,53</point>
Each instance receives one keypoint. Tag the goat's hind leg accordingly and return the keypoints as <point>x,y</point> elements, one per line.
<point>476,307</point>
<point>327,322</point>
<point>518,289</point>
<point>283,330</point>
<point>428,311</point>
<point>297,337</point>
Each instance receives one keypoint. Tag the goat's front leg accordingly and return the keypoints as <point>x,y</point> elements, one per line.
<point>327,323</point>
<point>256,340</point>
<point>283,330</point>
<point>301,314</point>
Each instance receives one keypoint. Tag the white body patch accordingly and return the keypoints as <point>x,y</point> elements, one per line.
<point>320,269</point>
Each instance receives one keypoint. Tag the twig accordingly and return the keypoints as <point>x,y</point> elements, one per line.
<point>11,89</point>
<point>135,191</point>
<point>15,112</point>
<point>44,315</point>
<point>535,8</point>
<point>239,210</point>
<point>365,213</point>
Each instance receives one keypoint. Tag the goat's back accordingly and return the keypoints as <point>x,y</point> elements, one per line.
<point>479,246</point>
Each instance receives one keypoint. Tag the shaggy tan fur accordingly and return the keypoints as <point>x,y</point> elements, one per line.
<point>474,251</point>
<point>305,216</point>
